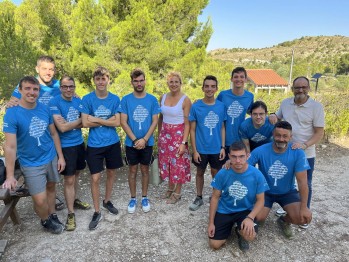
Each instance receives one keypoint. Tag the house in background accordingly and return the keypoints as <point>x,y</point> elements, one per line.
<point>265,79</point>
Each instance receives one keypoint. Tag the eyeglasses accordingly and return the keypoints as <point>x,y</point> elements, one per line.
<point>297,88</point>
<point>67,87</point>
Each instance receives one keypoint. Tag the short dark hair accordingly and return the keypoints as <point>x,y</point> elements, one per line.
<point>101,71</point>
<point>258,104</point>
<point>28,79</point>
<point>210,77</point>
<point>45,58</point>
<point>284,125</point>
<point>136,73</point>
<point>237,146</point>
<point>66,77</point>
<point>301,77</point>
<point>238,70</point>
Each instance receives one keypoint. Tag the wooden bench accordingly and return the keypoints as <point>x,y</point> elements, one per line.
<point>10,201</point>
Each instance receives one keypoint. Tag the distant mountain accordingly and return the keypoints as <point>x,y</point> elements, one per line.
<point>323,49</point>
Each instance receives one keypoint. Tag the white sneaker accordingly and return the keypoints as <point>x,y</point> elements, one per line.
<point>304,226</point>
<point>280,212</point>
<point>145,205</point>
<point>132,206</point>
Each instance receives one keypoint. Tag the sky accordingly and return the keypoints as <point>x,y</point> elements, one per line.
<point>264,23</point>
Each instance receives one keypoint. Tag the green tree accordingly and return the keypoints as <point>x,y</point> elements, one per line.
<point>343,66</point>
<point>17,55</point>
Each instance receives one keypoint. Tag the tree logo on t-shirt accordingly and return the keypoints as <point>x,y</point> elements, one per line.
<point>73,114</point>
<point>277,171</point>
<point>235,110</point>
<point>37,128</point>
<point>211,121</point>
<point>140,114</point>
<point>45,98</point>
<point>238,191</point>
<point>258,138</point>
<point>102,112</point>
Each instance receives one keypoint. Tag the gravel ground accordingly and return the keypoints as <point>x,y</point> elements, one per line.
<point>173,233</point>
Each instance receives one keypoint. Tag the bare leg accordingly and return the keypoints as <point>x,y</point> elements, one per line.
<point>95,181</point>
<point>199,181</point>
<point>111,175</point>
<point>132,174</point>
<point>69,192</point>
<point>41,205</point>
<point>145,179</point>
<point>51,196</point>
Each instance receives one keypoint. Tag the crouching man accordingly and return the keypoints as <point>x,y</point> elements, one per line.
<point>30,134</point>
<point>238,196</point>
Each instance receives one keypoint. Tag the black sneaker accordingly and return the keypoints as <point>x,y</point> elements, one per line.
<point>52,226</point>
<point>243,244</point>
<point>55,219</point>
<point>95,220</point>
<point>110,207</point>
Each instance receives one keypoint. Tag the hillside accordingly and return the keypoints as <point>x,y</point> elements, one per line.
<point>324,49</point>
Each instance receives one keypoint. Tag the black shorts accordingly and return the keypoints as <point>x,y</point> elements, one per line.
<point>96,156</point>
<point>225,222</point>
<point>212,159</point>
<point>75,159</point>
<point>139,156</point>
<point>281,199</point>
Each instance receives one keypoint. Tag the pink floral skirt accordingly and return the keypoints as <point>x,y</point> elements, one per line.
<point>172,167</point>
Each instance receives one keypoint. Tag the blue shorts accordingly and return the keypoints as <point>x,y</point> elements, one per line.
<point>75,159</point>
<point>282,199</point>
<point>36,177</point>
<point>225,222</point>
<point>96,156</point>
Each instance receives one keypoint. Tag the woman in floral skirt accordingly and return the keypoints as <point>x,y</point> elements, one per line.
<point>174,159</point>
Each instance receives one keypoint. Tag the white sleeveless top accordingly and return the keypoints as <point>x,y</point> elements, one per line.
<point>173,115</point>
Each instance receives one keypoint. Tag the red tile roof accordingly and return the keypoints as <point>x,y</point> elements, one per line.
<point>266,77</point>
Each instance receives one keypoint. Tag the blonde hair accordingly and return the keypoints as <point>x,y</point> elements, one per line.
<point>174,74</point>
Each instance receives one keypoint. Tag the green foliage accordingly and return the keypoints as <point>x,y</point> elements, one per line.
<point>343,66</point>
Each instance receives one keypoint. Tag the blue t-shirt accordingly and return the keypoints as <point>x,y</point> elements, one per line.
<point>279,169</point>
<point>70,111</point>
<point>209,120</point>
<point>46,92</point>
<point>237,107</point>
<point>105,108</point>
<point>256,137</point>
<point>35,145</point>
<point>140,112</point>
<point>238,191</point>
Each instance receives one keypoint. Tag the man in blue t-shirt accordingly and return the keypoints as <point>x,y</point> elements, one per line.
<point>49,87</point>
<point>99,113</point>
<point>238,102</point>
<point>65,109</point>
<point>256,130</point>
<point>238,196</point>
<point>281,166</point>
<point>139,117</point>
<point>31,135</point>
<point>207,135</point>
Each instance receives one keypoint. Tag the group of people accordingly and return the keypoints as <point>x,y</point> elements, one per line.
<point>283,146</point>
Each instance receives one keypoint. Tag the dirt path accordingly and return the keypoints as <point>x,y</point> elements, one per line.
<point>173,233</point>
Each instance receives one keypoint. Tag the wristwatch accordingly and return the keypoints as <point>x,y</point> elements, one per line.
<point>184,143</point>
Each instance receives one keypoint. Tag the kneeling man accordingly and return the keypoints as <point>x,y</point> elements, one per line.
<point>238,196</point>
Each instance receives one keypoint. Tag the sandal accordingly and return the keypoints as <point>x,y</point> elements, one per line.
<point>167,194</point>
<point>59,204</point>
<point>174,198</point>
